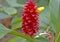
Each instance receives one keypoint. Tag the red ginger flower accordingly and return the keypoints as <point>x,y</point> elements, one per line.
<point>30,19</point>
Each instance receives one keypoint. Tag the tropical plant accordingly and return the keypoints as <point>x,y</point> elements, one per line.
<point>11,21</point>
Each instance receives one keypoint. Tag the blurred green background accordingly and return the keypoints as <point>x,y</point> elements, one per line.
<point>49,19</point>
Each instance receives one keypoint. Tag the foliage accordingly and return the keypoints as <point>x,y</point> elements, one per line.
<point>50,17</point>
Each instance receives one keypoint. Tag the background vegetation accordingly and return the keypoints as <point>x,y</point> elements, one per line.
<point>49,20</point>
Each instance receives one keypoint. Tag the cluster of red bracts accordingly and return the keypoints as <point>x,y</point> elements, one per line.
<point>30,24</point>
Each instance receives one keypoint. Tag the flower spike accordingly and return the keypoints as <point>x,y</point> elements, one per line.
<point>30,24</point>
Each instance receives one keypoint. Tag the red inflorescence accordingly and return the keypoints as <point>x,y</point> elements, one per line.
<point>30,19</point>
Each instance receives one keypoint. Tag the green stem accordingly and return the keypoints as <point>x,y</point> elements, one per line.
<point>22,35</point>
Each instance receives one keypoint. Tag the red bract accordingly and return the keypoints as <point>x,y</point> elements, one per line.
<point>30,19</point>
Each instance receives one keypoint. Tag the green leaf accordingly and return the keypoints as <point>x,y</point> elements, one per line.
<point>13,3</point>
<point>16,19</point>
<point>58,19</point>
<point>16,22</point>
<point>58,24</point>
<point>22,1</point>
<point>3,16</point>
<point>44,17</point>
<point>58,38</point>
<point>3,31</point>
<point>42,39</point>
<point>17,39</point>
<point>53,11</point>
<point>10,10</point>
<point>22,35</point>
<point>55,16</point>
<point>43,3</point>
<point>16,26</point>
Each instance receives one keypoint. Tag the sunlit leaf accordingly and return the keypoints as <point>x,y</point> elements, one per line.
<point>58,38</point>
<point>16,22</point>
